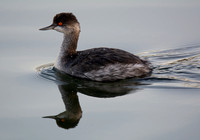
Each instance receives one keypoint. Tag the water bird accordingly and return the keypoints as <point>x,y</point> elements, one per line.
<point>97,64</point>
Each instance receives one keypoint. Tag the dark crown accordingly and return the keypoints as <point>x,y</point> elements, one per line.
<point>65,18</point>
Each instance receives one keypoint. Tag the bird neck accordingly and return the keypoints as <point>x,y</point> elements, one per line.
<point>68,47</point>
<point>69,44</point>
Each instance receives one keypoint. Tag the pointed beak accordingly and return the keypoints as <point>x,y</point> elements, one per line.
<point>50,117</point>
<point>51,27</point>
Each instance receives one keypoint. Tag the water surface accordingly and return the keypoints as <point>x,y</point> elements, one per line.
<point>164,106</point>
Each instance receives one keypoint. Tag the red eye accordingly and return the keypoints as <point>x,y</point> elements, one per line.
<point>62,120</point>
<point>60,23</point>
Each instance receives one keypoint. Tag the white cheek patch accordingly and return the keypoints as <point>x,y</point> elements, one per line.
<point>68,28</point>
<point>59,29</point>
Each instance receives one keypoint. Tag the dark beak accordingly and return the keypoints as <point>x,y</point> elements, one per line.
<point>50,117</point>
<point>51,27</point>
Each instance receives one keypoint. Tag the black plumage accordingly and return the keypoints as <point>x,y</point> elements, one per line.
<point>66,19</point>
<point>93,59</point>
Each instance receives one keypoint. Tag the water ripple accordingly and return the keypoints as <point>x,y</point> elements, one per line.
<point>174,68</point>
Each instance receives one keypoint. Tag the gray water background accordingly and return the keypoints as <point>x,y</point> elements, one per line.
<point>134,26</point>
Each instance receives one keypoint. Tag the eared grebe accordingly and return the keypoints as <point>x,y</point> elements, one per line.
<point>98,64</point>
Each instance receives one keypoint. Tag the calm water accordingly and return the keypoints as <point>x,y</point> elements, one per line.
<point>164,106</point>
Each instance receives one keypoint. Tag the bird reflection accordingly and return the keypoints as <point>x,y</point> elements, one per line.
<point>72,114</point>
<point>69,86</point>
